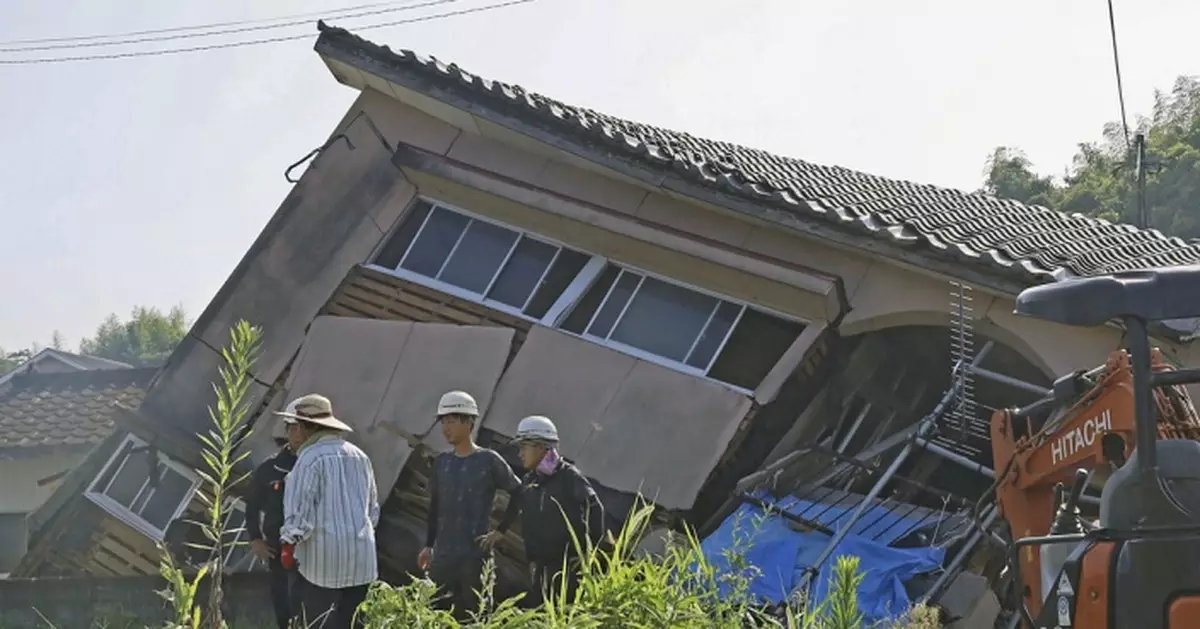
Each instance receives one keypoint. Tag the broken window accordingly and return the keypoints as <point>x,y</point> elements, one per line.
<point>186,538</point>
<point>508,268</point>
<point>142,489</point>
<point>721,339</point>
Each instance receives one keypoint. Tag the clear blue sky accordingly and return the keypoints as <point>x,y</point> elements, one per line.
<point>143,181</point>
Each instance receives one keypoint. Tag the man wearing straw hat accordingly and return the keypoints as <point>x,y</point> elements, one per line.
<point>331,508</point>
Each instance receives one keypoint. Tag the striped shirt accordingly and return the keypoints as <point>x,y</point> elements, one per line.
<point>331,508</point>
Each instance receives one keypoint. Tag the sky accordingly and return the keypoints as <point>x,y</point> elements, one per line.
<point>143,181</point>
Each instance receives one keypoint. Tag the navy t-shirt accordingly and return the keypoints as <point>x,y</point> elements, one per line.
<point>462,490</point>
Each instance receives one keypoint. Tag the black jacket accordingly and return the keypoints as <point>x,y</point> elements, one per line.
<point>542,502</point>
<point>265,497</point>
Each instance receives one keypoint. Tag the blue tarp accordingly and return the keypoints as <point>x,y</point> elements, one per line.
<point>781,554</point>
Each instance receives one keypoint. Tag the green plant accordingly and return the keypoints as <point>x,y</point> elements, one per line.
<point>620,589</point>
<point>221,459</point>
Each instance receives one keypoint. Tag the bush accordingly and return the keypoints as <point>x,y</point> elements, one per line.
<point>620,590</point>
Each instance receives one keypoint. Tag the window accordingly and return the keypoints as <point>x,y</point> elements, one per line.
<point>511,270</point>
<point>715,337</point>
<point>187,539</point>
<point>142,489</point>
<point>632,311</point>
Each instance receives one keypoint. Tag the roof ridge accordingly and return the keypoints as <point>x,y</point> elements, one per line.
<point>854,200</point>
<point>132,375</point>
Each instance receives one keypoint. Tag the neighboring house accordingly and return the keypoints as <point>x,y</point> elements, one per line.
<point>686,309</point>
<point>52,360</point>
<point>49,421</point>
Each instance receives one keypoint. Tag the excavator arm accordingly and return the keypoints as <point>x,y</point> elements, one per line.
<point>1094,431</point>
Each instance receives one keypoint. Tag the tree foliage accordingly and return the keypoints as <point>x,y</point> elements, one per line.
<point>12,360</point>
<point>147,338</point>
<point>1100,182</point>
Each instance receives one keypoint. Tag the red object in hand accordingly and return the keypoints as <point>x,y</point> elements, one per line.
<point>287,556</point>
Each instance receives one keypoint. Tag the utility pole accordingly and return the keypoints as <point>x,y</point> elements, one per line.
<point>1139,148</point>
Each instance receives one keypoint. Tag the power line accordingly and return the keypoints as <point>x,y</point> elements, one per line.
<point>409,5</point>
<point>257,42</point>
<point>1112,28</point>
<point>175,29</point>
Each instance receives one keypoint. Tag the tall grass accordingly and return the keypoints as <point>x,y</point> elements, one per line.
<point>620,589</point>
<point>220,458</point>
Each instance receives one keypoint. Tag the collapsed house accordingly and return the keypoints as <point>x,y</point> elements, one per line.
<point>712,326</point>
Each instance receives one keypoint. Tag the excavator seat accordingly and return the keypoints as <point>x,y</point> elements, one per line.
<point>1154,295</point>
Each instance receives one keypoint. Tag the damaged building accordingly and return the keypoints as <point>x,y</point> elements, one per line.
<point>713,326</point>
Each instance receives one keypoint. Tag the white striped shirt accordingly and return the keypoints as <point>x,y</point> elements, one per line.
<point>331,508</point>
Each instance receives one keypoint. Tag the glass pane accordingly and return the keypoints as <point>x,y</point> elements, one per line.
<point>603,323</point>
<point>714,335</point>
<point>389,257</point>
<point>128,480</point>
<point>172,489</point>
<point>478,257</point>
<point>591,300</point>
<point>521,274</point>
<point>664,319</point>
<point>434,242</point>
<point>756,344</point>
<point>566,267</point>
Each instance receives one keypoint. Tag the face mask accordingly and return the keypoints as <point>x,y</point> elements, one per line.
<point>549,462</point>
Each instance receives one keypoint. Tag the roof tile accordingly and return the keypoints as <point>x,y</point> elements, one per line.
<point>66,409</point>
<point>1006,237</point>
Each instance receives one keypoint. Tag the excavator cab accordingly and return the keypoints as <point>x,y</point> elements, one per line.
<point>1140,568</point>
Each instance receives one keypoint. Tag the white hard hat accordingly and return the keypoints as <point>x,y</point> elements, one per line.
<point>457,403</point>
<point>537,428</point>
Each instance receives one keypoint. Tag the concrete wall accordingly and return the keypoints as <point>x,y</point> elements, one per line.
<point>632,425</point>
<point>21,493</point>
<point>331,220</point>
<point>119,603</point>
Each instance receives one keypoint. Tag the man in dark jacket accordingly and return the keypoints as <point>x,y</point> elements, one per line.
<point>558,507</point>
<point>462,488</point>
<point>264,518</point>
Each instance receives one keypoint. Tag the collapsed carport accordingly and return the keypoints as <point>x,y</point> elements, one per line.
<point>891,461</point>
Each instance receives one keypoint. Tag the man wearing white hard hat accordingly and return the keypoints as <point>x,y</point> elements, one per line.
<point>558,508</point>
<point>462,487</point>
<point>331,509</point>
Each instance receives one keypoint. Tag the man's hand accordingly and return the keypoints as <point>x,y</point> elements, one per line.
<point>261,550</point>
<point>287,557</point>
<point>424,558</point>
<point>488,540</point>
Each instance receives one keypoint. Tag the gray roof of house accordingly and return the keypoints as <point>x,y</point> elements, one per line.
<point>999,237</point>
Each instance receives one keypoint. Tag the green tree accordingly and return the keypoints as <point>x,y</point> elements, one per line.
<point>146,339</point>
<point>12,360</point>
<point>1099,181</point>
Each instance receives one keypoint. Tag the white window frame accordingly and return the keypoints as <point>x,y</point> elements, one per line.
<point>574,291</point>
<point>242,538</point>
<point>123,513</point>
<point>473,297</point>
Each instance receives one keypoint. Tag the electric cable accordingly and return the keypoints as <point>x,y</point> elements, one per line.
<point>330,13</point>
<point>1112,29</point>
<point>257,42</point>
<point>408,6</point>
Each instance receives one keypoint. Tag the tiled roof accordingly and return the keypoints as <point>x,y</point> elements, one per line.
<point>66,409</point>
<point>1008,238</point>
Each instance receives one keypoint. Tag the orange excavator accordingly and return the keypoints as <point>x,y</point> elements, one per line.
<point>1129,427</point>
<point>1039,450</point>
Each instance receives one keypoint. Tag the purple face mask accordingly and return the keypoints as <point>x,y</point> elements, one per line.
<point>549,462</point>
